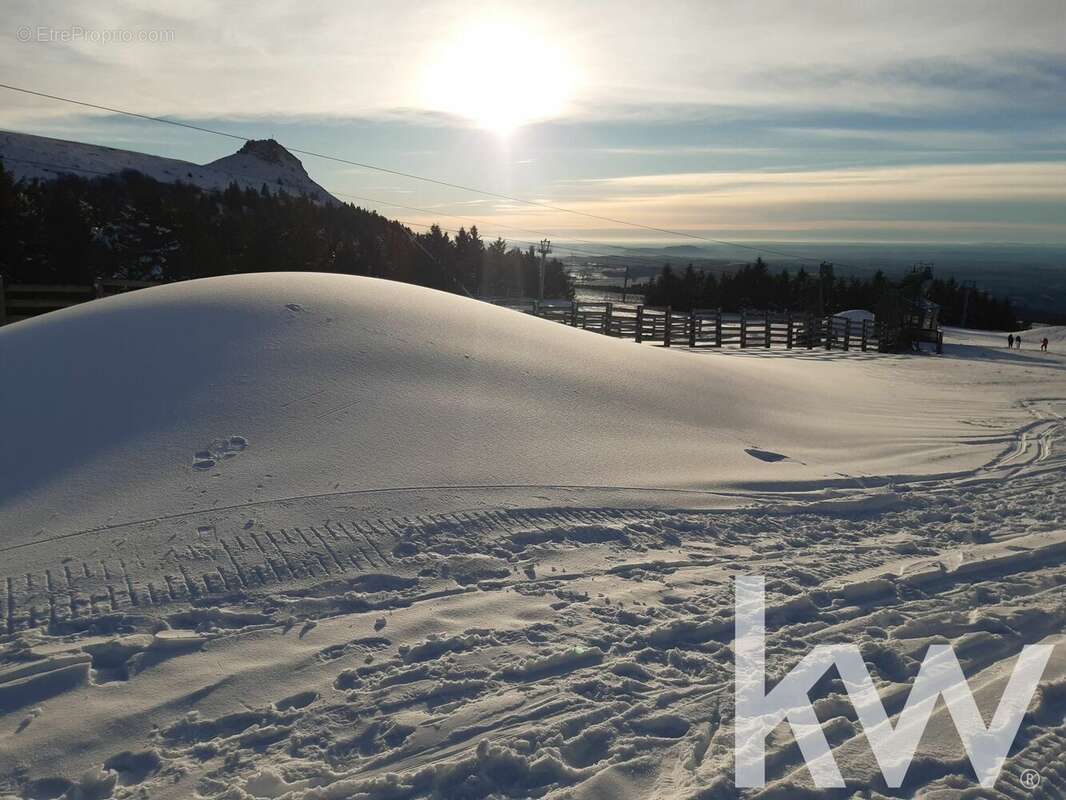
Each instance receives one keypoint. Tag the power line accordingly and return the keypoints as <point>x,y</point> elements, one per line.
<point>627,261</point>
<point>123,112</point>
<point>202,129</point>
<point>64,168</point>
<point>645,261</point>
<point>61,169</point>
<point>475,220</point>
<point>423,178</point>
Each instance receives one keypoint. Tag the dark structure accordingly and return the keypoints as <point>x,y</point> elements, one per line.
<point>906,316</point>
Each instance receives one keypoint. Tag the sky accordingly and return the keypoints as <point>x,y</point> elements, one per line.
<point>757,121</point>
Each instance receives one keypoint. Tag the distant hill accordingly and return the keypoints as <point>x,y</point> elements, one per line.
<point>258,163</point>
<point>1032,276</point>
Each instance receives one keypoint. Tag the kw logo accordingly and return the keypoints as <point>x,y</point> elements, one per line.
<point>758,713</point>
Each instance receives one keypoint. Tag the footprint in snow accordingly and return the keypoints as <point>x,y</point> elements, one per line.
<point>218,450</point>
<point>765,455</point>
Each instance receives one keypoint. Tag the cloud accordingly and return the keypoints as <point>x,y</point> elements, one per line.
<point>343,59</point>
<point>949,201</point>
<point>942,181</point>
<point>685,113</point>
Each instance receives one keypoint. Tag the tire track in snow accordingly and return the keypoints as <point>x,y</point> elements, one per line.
<point>304,555</point>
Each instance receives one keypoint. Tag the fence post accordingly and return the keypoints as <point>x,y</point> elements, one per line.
<point>767,330</point>
<point>607,318</point>
<point>573,313</point>
<point>865,336</point>
<point>830,332</point>
<point>3,302</point>
<point>743,329</point>
<point>718,328</point>
<point>692,328</point>
<point>810,332</point>
<point>939,342</point>
<point>668,321</point>
<point>640,324</point>
<point>847,333</point>
<point>790,336</point>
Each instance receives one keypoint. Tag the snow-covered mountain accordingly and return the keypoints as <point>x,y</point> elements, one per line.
<point>258,163</point>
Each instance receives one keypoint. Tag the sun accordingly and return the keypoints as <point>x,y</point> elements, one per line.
<point>499,76</point>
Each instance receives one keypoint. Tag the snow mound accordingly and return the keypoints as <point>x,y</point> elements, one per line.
<point>857,315</point>
<point>1055,334</point>
<point>251,388</point>
<point>263,627</point>
<point>257,163</point>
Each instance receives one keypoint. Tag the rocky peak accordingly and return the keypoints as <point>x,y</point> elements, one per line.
<point>270,151</point>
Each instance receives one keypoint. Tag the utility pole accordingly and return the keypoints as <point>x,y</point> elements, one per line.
<point>545,248</point>
<point>967,290</point>
<point>625,284</point>
<point>823,271</point>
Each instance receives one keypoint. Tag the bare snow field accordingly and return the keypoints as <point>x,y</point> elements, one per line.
<point>316,536</point>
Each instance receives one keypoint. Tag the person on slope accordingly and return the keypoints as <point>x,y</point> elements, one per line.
<point>1018,342</point>
<point>1043,344</point>
<point>1010,342</point>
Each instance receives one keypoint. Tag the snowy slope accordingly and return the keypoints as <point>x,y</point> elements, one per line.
<point>314,536</point>
<point>357,383</point>
<point>257,163</point>
<point>1056,335</point>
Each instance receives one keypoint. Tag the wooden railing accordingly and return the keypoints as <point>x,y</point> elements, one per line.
<point>697,328</point>
<point>712,327</point>
<point>25,300</point>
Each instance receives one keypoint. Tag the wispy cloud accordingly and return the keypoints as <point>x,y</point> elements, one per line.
<point>945,182</point>
<point>761,117</point>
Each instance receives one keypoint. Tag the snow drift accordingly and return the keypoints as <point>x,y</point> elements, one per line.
<point>270,386</point>
<point>201,598</point>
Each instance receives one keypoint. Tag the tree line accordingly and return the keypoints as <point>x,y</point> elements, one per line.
<point>75,229</point>
<point>756,286</point>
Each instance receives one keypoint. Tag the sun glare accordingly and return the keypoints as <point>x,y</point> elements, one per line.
<point>499,76</point>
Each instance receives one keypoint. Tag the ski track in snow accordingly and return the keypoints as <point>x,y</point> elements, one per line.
<point>607,670</point>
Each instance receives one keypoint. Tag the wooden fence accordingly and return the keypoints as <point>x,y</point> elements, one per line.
<point>22,301</point>
<point>712,327</point>
<point>641,323</point>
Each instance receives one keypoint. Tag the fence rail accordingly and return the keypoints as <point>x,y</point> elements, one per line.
<point>21,301</point>
<point>701,327</point>
<point>712,327</point>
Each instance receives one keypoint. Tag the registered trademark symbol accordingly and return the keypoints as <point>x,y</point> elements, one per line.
<point>1030,779</point>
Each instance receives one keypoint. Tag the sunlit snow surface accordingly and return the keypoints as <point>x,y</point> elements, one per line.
<point>321,536</point>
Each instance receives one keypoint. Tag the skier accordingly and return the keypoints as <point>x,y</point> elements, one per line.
<point>1043,344</point>
<point>1010,342</point>
<point>1018,342</point>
